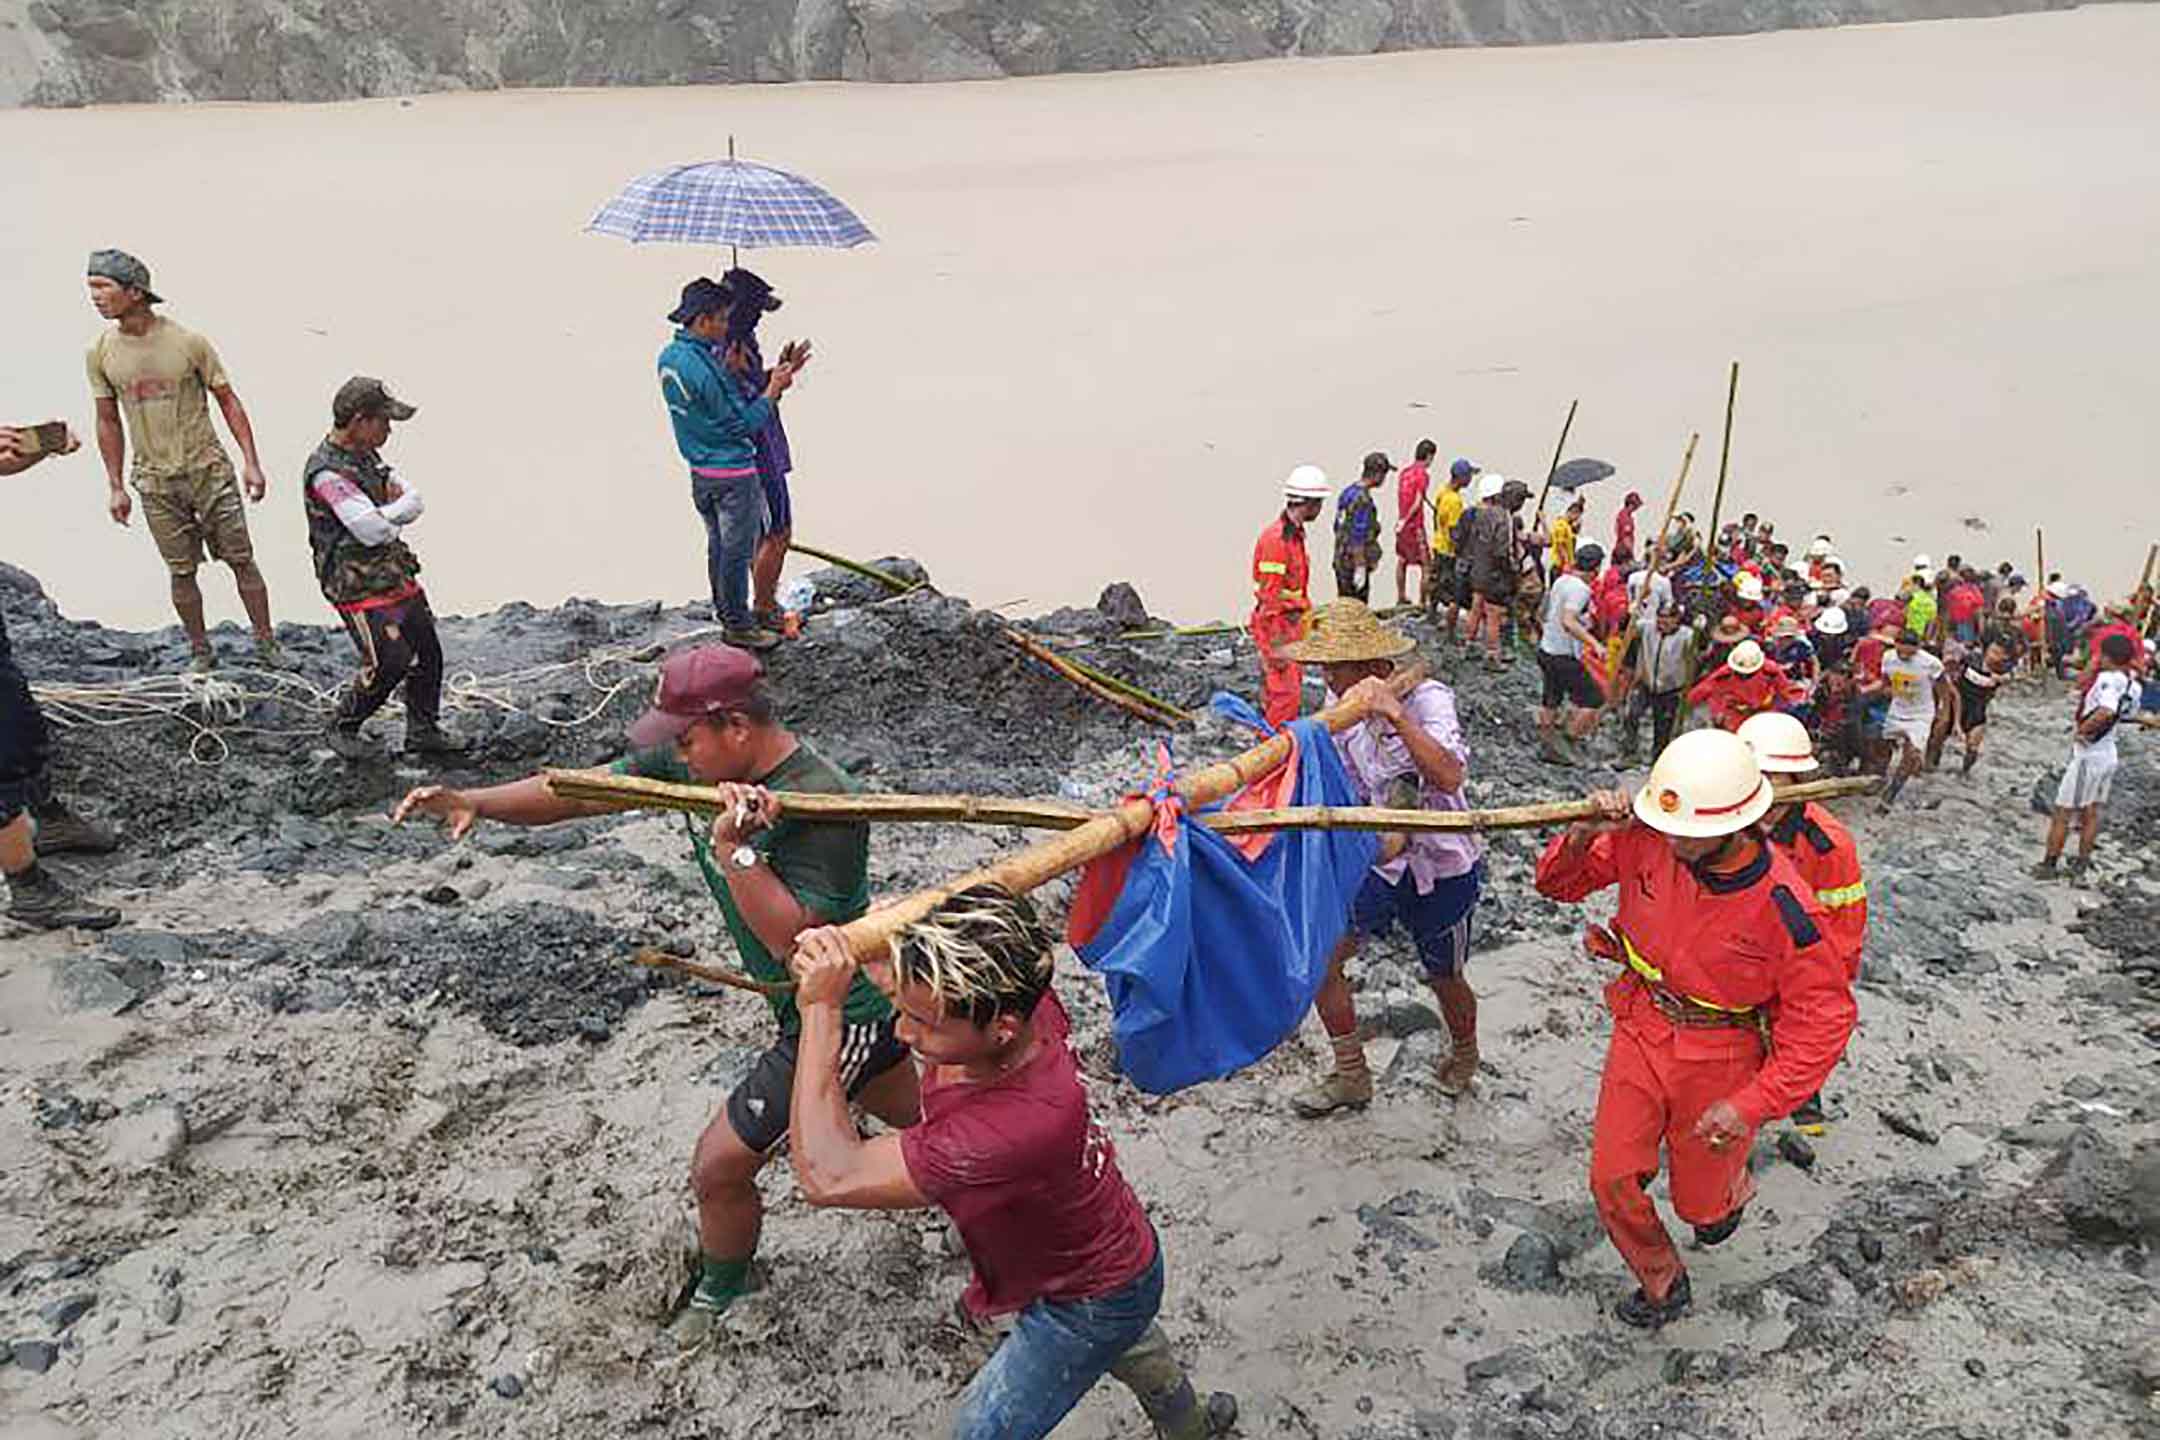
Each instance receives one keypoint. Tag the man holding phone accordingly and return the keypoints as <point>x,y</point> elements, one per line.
<point>35,896</point>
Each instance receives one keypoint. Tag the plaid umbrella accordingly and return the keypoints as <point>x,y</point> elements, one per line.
<point>730,202</point>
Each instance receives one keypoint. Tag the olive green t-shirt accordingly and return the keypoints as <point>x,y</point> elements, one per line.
<point>163,380</point>
<point>825,866</point>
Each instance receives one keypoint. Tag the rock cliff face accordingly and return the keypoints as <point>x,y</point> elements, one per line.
<point>72,52</point>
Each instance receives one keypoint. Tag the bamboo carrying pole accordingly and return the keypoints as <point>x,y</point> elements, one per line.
<point>1514,817</point>
<point>869,572</point>
<point>1557,450</point>
<point>2040,651</point>
<point>734,980</point>
<point>1724,459</point>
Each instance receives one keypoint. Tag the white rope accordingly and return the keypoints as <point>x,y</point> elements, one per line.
<point>214,706</point>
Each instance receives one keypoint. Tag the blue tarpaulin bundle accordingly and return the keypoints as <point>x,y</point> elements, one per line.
<point>1212,957</point>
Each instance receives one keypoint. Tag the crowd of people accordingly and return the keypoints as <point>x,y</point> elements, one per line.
<point>1741,912</point>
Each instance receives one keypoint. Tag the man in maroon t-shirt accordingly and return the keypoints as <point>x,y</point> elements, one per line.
<point>1008,1149</point>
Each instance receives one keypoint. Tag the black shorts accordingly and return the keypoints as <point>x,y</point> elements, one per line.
<point>1566,679</point>
<point>25,743</point>
<point>757,1108</point>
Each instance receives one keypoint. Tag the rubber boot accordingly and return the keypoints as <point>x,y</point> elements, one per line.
<point>1458,1006</point>
<point>36,897</point>
<point>1333,1091</point>
<point>61,831</point>
<point>1159,1383</point>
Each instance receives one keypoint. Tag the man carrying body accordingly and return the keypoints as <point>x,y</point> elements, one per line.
<point>1446,593</point>
<point>1282,581</point>
<point>1910,673</point>
<point>714,723</point>
<point>716,429</point>
<point>161,377</point>
<point>1357,530</point>
<point>2083,793</point>
<point>1747,683</point>
<point>1564,639</point>
<point>1007,1147</point>
<point>1410,754</point>
<point>1412,550</point>
<point>356,512</point>
<point>1722,957</point>
<point>35,895</point>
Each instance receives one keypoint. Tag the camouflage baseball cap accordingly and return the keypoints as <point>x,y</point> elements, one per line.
<point>365,395</point>
<point>123,269</point>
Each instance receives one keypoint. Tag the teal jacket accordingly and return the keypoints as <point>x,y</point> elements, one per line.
<point>715,422</point>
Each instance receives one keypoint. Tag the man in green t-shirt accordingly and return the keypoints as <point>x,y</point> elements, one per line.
<point>713,723</point>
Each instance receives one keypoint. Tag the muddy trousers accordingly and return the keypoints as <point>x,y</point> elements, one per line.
<point>1282,682</point>
<point>397,646</point>
<point>1058,1350</point>
<point>1656,1087</point>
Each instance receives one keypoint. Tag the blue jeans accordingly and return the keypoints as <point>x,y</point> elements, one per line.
<point>1056,1352</point>
<point>733,510</point>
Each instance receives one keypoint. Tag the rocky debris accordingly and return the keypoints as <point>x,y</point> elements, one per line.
<point>510,1387</point>
<point>65,1311</point>
<point>146,1140</point>
<point>86,983</point>
<point>1532,1262</point>
<point>55,1108</point>
<point>2106,1196</point>
<point>35,1356</point>
<point>1905,1123</point>
<point>1121,603</point>
<point>90,53</point>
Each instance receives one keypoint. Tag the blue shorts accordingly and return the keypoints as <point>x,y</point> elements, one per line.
<point>1438,920</point>
<point>779,513</point>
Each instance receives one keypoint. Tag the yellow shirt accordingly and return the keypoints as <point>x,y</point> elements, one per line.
<point>1563,544</point>
<point>162,380</point>
<point>1447,509</point>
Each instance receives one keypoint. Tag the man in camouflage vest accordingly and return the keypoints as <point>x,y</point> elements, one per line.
<point>356,513</point>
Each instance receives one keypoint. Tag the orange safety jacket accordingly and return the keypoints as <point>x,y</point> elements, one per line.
<point>1822,850</point>
<point>1751,943</point>
<point>1281,574</point>
<point>1733,697</point>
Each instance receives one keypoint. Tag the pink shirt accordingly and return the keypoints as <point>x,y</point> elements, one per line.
<point>1415,479</point>
<point>1380,765</point>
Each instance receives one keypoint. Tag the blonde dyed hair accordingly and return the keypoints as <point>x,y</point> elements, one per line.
<point>985,952</point>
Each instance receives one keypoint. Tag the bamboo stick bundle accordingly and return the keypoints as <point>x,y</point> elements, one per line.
<point>1114,682</point>
<point>1105,687</point>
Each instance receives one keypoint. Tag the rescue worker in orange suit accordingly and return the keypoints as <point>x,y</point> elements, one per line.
<point>1748,683</point>
<point>1281,592</point>
<point>1820,848</point>
<point>1730,1006</point>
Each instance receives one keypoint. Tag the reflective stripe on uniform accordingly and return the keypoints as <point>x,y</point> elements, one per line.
<point>1655,976</point>
<point>1843,895</point>
<point>1272,567</point>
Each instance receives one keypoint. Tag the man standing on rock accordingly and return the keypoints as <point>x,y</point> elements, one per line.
<point>1409,754</point>
<point>1008,1148</point>
<point>713,722</point>
<point>1723,958</point>
<point>35,894</point>
<point>1282,592</point>
<point>2090,776</point>
<point>356,515</point>
<point>161,377</point>
<point>716,430</point>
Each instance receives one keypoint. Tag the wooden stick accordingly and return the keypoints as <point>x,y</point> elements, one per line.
<point>1115,682</point>
<point>2041,661</point>
<point>1128,698</point>
<point>869,572</point>
<point>1554,468</point>
<point>1040,863</point>
<point>734,980</point>
<point>629,792</point>
<point>1514,817</point>
<point>1724,459</point>
<point>1181,630</point>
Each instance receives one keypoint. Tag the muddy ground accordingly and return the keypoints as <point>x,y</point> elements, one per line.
<point>349,1132</point>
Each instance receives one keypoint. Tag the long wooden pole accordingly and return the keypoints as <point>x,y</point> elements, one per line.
<point>1724,460</point>
<point>869,572</point>
<point>1554,468</point>
<point>2040,651</point>
<point>1513,817</point>
<point>629,792</point>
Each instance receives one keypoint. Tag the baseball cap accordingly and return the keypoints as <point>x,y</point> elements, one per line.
<point>1377,463</point>
<point>365,395</point>
<point>123,269</point>
<point>702,681</point>
<point>1462,469</point>
<point>701,296</point>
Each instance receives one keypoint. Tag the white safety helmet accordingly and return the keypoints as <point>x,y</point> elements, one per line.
<point>1705,784</point>
<point>2060,589</point>
<point>1307,482</point>
<point>1832,621</point>
<point>1921,565</point>
<point>1834,560</point>
<point>1490,484</point>
<point>1746,658</point>
<point>1819,547</point>
<point>1781,743</point>
<point>1748,585</point>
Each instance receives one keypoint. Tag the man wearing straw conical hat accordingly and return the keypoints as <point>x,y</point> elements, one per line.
<point>1408,754</point>
<point>1730,1008</point>
<point>1282,591</point>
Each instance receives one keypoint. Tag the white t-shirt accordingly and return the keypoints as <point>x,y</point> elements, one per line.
<point>1648,591</point>
<point>2111,691</point>
<point>1570,595</point>
<point>1912,684</point>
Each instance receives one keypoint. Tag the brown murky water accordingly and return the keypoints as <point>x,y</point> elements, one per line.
<point>1110,312</point>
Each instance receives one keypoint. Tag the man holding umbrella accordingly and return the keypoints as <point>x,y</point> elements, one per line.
<point>716,429</point>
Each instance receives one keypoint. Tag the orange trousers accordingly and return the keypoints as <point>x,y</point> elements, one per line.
<point>1282,682</point>
<point>1656,1086</point>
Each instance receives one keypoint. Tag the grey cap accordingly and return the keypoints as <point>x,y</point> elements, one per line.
<point>123,269</point>
<point>365,395</point>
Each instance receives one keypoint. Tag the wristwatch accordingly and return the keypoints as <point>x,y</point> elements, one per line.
<point>742,857</point>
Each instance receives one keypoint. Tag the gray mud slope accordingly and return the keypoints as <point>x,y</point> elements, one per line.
<point>79,52</point>
<point>353,1133</point>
